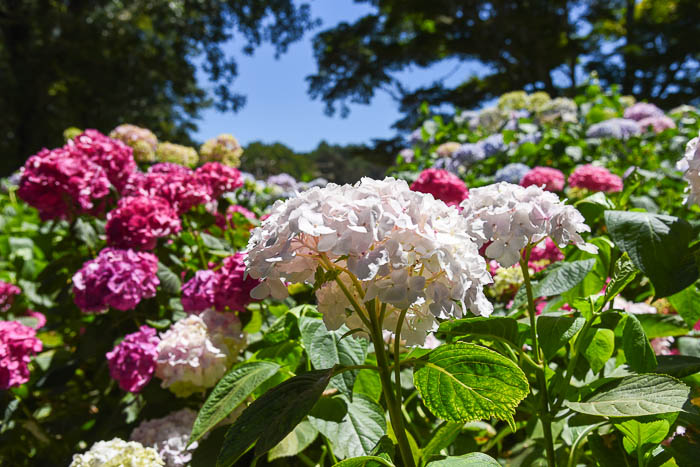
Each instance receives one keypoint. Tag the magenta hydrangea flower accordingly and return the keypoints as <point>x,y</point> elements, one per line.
<point>657,124</point>
<point>62,184</point>
<point>169,168</point>
<point>542,256</point>
<point>595,178</point>
<point>223,289</point>
<point>642,110</point>
<point>7,295</point>
<point>219,178</point>
<point>114,156</point>
<point>551,179</point>
<point>178,185</point>
<point>116,278</point>
<point>133,361</point>
<point>138,222</point>
<point>17,343</point>
<point>443,185</point>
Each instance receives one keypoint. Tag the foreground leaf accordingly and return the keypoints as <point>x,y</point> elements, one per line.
<point>295,442</point>
<point>563,277</point>
<point>473,459</point>
<point>687,304</point>
<point>623,274</point>
<point>555,331</point>
<point>498,326</point>
<point>270,418</point>
<point>464,382</point>
<point>638,352</point>
<point>677,365</point>
<point>642,436</point>
<point>598,347</point>
<point>364,461</point>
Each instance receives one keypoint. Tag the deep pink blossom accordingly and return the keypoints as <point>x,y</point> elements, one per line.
<point>138,221</point>
<point>658,124</point>
<point>61,183</point>
<point>7,295</point>
<point>178,185</point>
<point>552,179</point>
<point>219,178</point>
<point>17,343</point>
<point>114,156</point>
<point>595,178</point>
<point>169,168</point>
<point>116,278</point>
<point>443,185</point>
<point>198,293</point>
<point>133,361</point>
<point>543,256</point>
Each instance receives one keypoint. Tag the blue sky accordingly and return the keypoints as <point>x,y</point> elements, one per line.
<point>278,108</point>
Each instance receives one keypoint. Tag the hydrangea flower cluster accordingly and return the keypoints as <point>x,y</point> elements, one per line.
<point>513,217</point>
<point>176,184</point>
<point>284,181</point>
<point>7,295</point>
<point>447,149</point>
<point>169,437</point>
<point>224,148</point>
<point>115,157</point>
<point>117,452</point>
<point>61,183</point>
<point>219,178</point>
<point>116,278</point>
<point>547,177</point>
<point>658,124</point>
<point>618,128</point>
<point>141,140</point>
<point>17,343</point>
<point>560,109</point>
<point>511,173</point>
<point>642,110</point>
<point>138,222</point>
<point>177,154</point>
<point>402,247</point>
<point>133,361</point>
<point>595,178</point>
<point>226,288</point>
<point>407,154</point>
<point>196,351</point>
<point>690,166</point>
<point>443,185</point>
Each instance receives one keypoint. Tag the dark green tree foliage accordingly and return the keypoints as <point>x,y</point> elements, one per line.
<point>97,64</point>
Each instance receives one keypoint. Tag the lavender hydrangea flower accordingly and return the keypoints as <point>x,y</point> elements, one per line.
<point>469,153</point>
<point>169,437</point>
<point>618,128</point>
<point>511,173</point>
<point>286,182</point>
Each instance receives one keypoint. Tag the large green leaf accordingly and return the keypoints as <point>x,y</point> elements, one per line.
<point>229,393</point>
<point>555,331</point>
<point>353,427</point>
<point>657,325</point>
<point>563,277</point>
<point>677,365</point>
<point>498,326</point>
<point>623,274</point>
<point>638,352</point>
<point>473,459</point>
<point>326,349</point>
<point>168,279</point>
<point>635,396</point>
<point>443,437</point>
<point>270,418</point>
<point>295,442</point>
<point>598,346</point>
<point>658,245</point>
<point>463,382</point>
<point>638,435</point>
<point>364,461</point>
<point>687,304</point>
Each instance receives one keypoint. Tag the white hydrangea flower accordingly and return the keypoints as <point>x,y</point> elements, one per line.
<point>405,248</point>
<point>690,165</point>
<point>619,303</point>
<point>196,351</point>
<point>169,436</point>
<point>117,453</point>
<point>514,216</point>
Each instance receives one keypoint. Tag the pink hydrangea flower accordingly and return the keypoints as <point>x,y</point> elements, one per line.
<point>62,184</point>
<point>219,178</point>
<point>116,278</point>
<point>178,185</point>
<point>7,295</point>
<point>595,178</point>
<point>17,343</point>
<point>169,168</point>
<point>658,124</point>
<point>133,361</point>
<point>543,256</point>
<point>138,222</point>
<point>225,288</point>
<point>551,179</point>
<point>443,185</point>
<point>642,110</point>
<point>114,156</point>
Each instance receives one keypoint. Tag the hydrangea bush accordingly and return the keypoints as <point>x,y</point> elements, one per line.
<point>521,289</point>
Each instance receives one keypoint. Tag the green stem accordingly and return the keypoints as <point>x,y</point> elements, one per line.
<point>200,245</point>
<point>545,414</point>
<point>397,353</point>
<point>393,405</point>
<point>574,447</point>
<point>573,360</point>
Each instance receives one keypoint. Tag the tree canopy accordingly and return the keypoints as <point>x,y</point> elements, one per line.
<point>101,63</point>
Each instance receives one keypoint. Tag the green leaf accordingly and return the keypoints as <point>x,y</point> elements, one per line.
<point>295,442</point>
<point>638,435</point>
<point>687,304</point>
<point>352,427</point>
<point>369,384</point>
<point>563,277</point>
<point>555,331</point>
<point>463,382</point>
<point>689,346</point>
<point>474,459</point>
<point>635,396</point>
<point>384,448</point>
<point>623,274</point>
<point>658,245</point>
<point>270,418</point>
<point>229,393</point>
<point>325,350</point>
<point>213,243</point>
<point>168,279</point>
<point>638,352</point>
<point>593,206</point>
<point>364,461</point>
<point>598,347</point>
<point>443,437</point>
<point>85,232</point>
<point>677,365</point>
<point>656,325</point>
<point>498,326</point>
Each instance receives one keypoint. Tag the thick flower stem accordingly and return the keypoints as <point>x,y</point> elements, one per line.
<point>545,415</point>
<point>392,403</point>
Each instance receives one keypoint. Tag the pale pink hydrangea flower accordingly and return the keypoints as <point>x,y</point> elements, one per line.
<point>642,110</point>
<point>657,124</point>
<point>595,178</point>
<point>169,436</point>
<point>133,361</point>
<point>690,166</point>
<point>138,222</point>
<point>443,185</point>
<point>17,343</point>
<point>547,177</point>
